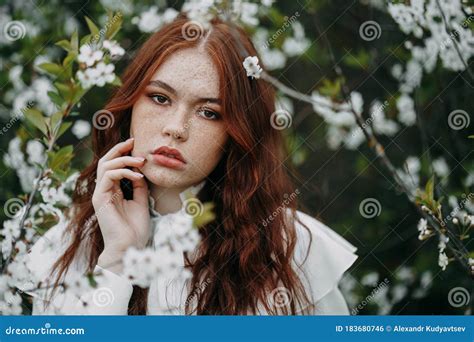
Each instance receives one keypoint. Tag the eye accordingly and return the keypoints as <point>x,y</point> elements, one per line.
<point>160,99</point>
<point>209,114</point>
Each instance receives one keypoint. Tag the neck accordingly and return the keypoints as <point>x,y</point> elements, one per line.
<point>167,200</point>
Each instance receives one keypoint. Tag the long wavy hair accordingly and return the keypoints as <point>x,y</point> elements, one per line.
<point>243,255</point>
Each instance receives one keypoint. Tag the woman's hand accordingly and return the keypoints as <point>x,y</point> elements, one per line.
<point>123,223</point>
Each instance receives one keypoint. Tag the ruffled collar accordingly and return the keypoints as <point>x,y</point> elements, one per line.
<point>192,190</point>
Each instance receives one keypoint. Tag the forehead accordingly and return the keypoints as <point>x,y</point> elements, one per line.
<point>190,72</point>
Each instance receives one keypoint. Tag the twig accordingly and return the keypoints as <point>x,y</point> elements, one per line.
<point>455,43</point>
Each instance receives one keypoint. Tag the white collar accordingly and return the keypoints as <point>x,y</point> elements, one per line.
<point>183,195</point>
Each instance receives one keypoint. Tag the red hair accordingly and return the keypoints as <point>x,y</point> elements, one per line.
<point>243,258</point>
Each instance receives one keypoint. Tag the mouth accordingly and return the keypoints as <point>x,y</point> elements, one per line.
<point>168,157</point>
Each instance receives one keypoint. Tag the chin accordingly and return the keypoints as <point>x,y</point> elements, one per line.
<point>164,177</point>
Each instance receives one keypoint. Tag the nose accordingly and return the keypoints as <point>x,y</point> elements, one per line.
<point>176,125</point>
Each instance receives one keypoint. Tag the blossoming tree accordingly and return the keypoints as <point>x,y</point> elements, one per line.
<point>378,82</point>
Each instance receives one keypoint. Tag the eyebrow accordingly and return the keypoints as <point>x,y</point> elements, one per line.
<point>174,92</point>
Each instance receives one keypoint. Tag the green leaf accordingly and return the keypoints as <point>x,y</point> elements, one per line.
<point>92,27</point>
<point>37,119</point>
<point>78,94</point>
<point>359,60</point>
<point>59,161</point>
<point>55,122</point>
<point>68,63</point>
<point>86,39</point>
<point>64,90</point>
<point>114,22</point>
<point>64,127</point>
<point>58,100</point>
<point>65,44</point>
<point>52,68</point>
<point>117,82</point>
<point>206,216</point>
<point>75,42</point>
<point>331,88</point>
<point>429,188</point>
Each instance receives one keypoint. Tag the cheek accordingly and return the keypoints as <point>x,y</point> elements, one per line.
<point>208,147</point>
<point>141,130</point>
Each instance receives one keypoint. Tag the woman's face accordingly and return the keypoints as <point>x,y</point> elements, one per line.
<point>180,109</point>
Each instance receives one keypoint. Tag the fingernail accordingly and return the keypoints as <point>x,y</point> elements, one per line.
<point>139,174</point>
<point>130,139</point>
<point>140,158</point>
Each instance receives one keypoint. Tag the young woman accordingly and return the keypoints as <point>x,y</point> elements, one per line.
<point>187,117</point>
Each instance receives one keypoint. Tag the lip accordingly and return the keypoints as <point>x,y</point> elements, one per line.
<point>160,157</point>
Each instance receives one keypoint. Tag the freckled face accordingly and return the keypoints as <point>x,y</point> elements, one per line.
<point>180,108</point>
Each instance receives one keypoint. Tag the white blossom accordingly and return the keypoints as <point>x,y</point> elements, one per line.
<point>443,240</point>
<point>267,3</point>
<point>422,18</point>
<point>81,129</point>
<point>248,12</point>
<point>11,304</point>
<point>15,159</point>
<point>114,48</point>
<point>380,123</point>
<point>251,67</point>
<point>443,260</point>
<point>35,151</point>
<point>99,75</point>
<point>406,110</point>
<point>440,167</point>
<point>77,284</point>
<point>298,43</point>
<point>370,279</point>
<point>148,21</point>
<point>424,230</point>
<point>273,58</point>
<point>89,55</point>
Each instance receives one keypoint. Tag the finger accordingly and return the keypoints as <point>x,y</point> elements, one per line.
<point>140,191</point>
<point>117,150</point>
<point>113,177</point>
<point>119,163</point>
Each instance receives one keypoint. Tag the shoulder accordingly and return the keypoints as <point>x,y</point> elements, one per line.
<point>322,254</point>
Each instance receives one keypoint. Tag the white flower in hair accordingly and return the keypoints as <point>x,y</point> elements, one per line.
<point>251,66</point>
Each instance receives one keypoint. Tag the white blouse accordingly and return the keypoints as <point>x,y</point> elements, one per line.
<point>330,255</point>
